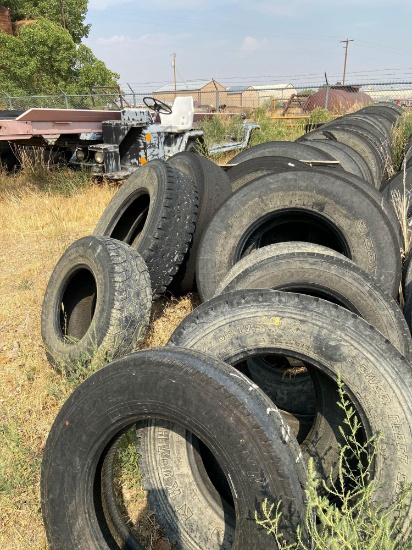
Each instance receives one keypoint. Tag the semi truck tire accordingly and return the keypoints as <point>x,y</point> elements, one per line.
<point>356,139</point>
<point>336,344</point>
<point>98,298</point>
<point>252,169</point>
<point>155,212</point>
<point>348,158</point>
<point>193,390</point>
<point>213,188</point>
<point>292,149</point>
<point>299,206</point>
<point>319,271</point>
<point>255,168</point>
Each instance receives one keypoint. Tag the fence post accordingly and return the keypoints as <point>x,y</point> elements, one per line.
<point>327,97</point>
<point>9,98</point>
<point>133,94</point>
<point>65,98</point>
<point>217,95</point>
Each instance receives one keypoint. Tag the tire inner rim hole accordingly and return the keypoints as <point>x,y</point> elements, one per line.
<point>294,225</point>
<point>131,223</point>
<point>287,382</point>
<point>213,476</point>
<point>78,305</point>
<point>122,502</point>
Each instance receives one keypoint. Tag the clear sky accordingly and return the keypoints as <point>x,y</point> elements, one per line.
<point>246,42</point>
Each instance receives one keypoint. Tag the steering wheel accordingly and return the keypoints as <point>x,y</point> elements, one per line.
<point>157,105</point>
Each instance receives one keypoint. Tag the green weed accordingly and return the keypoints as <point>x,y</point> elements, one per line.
<point>219,129</point>
<point>320,115</point>
<point>214,129</point>
<point>18,463</point>
<point>126,466</point>
<point>83,365</point>
<point>400,134</point>
<point>275,130</point>
<point>341,514</point>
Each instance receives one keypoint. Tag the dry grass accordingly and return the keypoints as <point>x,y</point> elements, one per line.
<point>36,228</point>
<point>401,203</point>
<point>400,199</point>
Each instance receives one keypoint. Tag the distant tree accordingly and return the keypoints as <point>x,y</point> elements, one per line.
<point>69,14</point>
<point>308,91</point>
<point>44,59</point>
<point>90,71</point>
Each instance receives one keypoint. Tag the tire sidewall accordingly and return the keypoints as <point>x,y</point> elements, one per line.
<point>79,256</point>
<point>344,207</point>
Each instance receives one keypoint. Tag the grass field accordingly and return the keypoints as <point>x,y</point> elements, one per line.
<point>36,228</point>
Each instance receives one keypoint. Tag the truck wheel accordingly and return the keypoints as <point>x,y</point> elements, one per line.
<point>213,188</point>
<point>98,299</point>
<point>334,343</point>
<point>321,272</point>
<point>192,390</point>
<point>300,206</point>
<point>348,158</point>
<point>359,141</point>
<point>254,168</point>
<point>292,149</point>
<point>155,212</point>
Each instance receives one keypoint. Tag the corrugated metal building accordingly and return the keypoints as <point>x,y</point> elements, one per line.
<point>204,92</point>
<point>242,96</point>
<point>276,92</point>
<point>377,94</point>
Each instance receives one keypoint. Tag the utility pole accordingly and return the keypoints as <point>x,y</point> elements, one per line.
<point>174,70</point>
<point>346,56</point>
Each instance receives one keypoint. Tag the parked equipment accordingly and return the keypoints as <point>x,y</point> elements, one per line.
<point>114,143</point>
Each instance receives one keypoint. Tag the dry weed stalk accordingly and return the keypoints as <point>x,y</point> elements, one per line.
<point>401,203</point>
<point>32,158</point>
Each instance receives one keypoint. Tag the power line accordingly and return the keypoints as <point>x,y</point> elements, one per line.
<point>304,77</point>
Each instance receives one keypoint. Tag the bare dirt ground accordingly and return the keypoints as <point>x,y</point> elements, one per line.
<point>36,227</point>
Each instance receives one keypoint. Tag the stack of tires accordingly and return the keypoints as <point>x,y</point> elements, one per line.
<point>399,191</point>
<point>296,256</point>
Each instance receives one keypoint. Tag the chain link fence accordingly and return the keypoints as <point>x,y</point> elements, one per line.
<point>230,99</point>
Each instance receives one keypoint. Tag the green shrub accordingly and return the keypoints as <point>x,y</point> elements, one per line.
<point>341,514</point>
<point>320,115</point>
<point>218,129</point>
